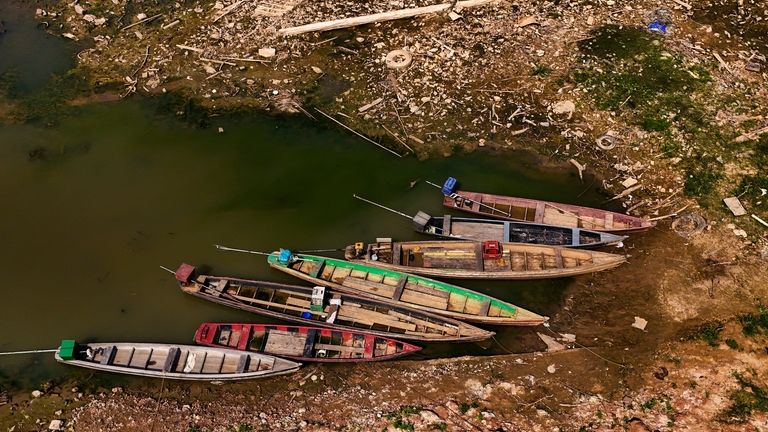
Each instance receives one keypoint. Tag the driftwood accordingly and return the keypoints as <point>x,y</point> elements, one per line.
<point>152,18</point>
<point>379,17</point>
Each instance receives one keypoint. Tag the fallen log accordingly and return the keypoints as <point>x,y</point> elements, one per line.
<point>379,17</point>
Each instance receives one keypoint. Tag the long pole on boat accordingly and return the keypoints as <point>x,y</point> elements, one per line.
<point>220,247</point>
<point>37,351</point>
<point>268,254</point>
<point>381,206</point>
<point>473,201</point>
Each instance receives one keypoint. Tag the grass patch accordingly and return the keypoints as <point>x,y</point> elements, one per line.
<point>541,70</point>
<point>396,417</point>
<point>745,400</point>
<point>732,344</point>
<point>242,427</point>
<point>701,179</point>
<point>649,404</point>
<point>708,332</point>
<point>753,324</point>
<point>464,406</point>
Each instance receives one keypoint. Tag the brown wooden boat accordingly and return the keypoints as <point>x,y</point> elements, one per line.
<point>538,211</point>
<point>408,290</point>
<point>482,260</point>
<point>332,309</point>
<point>302,343</point>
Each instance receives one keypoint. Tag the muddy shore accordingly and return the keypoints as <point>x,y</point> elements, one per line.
<point>680,111</point>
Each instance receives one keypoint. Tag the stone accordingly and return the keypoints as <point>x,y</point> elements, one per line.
<point>639,323</point>
<point>141,16</point>
<point>740,232</point>
<point>56,425</point>
<point>564,107</point>
<point>267,52</point>
<point>316,70</point>
<point>36,393</point>
<point>89,18</point>
<point>221,129</point>
<point>454,16</point>
<point>551,368</point>
<point>79,9</point>
<point>429,417</point>
<point>629,182</point>
<point>734,205</point>
<point>100,21</point>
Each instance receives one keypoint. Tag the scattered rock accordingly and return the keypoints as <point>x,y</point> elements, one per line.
<point>734,205</point>
<point>639,323</point>
<point>316,70</point>
<point>36,393</point>
<point>79,9</point>
<point>552,344</point>
<point>267,52</point>
<point>551,368</point>
<point>564,107</point>
<point>629,182</point>
<point>56,425</point>
<point>661,373</point>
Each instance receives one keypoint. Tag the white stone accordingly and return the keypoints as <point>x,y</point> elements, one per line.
<point>221,129</point>
<point>316,70</point>
<point>56,425</point>
<point>453,16</point>
<point>100,21</point>
<point>36,393</point>
<point>640,323</point>
<point>564,107</point>
<point>631,181</point>
<point>551,368</point>
<point>141,16</point>
<point>740,232</point>
<point>40,12</point>
<point>79,9</point>
<point>90,18</point>
<point>267,52</point>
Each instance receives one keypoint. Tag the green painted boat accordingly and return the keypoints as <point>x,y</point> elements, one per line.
<point>403,289</point>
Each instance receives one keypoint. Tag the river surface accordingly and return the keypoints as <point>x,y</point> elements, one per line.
<point>93,206</point>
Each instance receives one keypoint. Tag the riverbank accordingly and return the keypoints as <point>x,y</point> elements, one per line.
<point>670,112</point>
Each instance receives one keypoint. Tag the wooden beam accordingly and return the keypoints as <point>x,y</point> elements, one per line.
<point>379,17</point>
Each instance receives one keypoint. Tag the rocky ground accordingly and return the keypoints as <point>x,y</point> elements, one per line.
<point>673,123</point>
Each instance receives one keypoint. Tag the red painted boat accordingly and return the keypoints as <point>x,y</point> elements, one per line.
<point>303,343</point>
<point>537,211</point>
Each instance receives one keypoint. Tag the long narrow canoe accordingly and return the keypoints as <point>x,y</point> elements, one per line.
<point>513,232</point>
<point>546,212</point>
<point>402,289</point>
<point>336,310</point>
<point>303,343</point>
<point>482,260</point>
<point>183,362</point>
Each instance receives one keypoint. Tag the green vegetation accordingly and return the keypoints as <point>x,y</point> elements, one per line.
<point>541,70</point>
<point>396,417</point>
<point>708,332</point>
<point>242,427</point>
<point>631,73</point>
<point>464,406</point>
<point>441,426</point>
<point>745,400</point>
<point>750,186</point>
<point>732,344</point>
<point>649,404</point>
<point>753,324</point>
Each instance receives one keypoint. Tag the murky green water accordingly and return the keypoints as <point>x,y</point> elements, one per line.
<point>92,207</point>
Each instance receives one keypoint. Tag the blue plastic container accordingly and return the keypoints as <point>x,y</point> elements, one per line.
<point>449,186</point>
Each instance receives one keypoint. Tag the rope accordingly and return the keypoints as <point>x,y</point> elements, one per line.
<point>582,346</point>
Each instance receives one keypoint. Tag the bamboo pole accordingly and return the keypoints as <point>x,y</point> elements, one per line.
<point>358,133</point>
<point>379,17</point>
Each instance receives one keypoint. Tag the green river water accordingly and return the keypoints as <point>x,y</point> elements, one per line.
<point>92,206</point>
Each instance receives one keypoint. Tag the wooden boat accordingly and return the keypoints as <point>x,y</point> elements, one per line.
<point>335,310</point>
<point>531,210</point>
<point>302,343</point>
<point>403,289</point>
<point>513,232</point>
<point>183,362</point>
<point>481,260</point>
